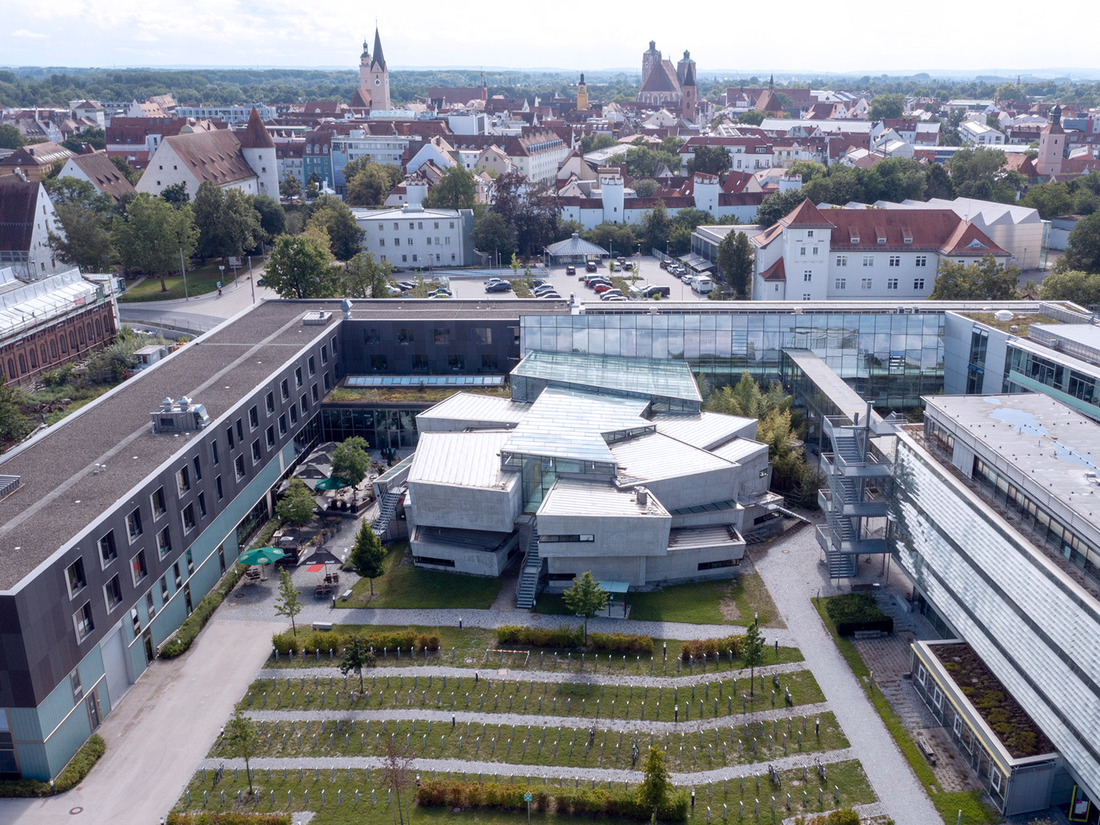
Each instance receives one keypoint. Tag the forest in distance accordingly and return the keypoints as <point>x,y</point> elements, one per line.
<point>38,86</point>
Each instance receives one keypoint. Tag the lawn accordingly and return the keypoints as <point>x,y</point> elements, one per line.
<point>733,602</point>
<point>403,585</point>
<point>975,810</point>
<point>200,280</point>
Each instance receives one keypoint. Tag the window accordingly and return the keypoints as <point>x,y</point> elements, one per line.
<point>865,284</point>
<point>269,403</point>
<point>133,525</point>
<point>294,414</point>
<point>214,453</point>
<point>802,252</point>
<point>840,283</point>
<point>256,454</point>
<point>183,480</point>
<point>150,605</point>
<point>805,296</point>
<point>253,417</point>
<point>324,356</point>
<point>809,233</point>
<point>135,621</point>
<point>891,283</point>
<point>190,562</point>
<point>922,260</point>
<point>229,436</point>
<point>284,389</point>
<point>405,336</point>
<point>918,283</point>
<point>298,370</point>
<point>270,437</point>
<point>188,517</point>
<point>238,466</point>
<point>164,589</point>
<point>82,621</point>
<point>442,335</point>
<point>868,260</point>
<point>137,567</point>
<point>807,275</point>
<point>75,685</point>
<point>197,465</point>
<point>483,335</point>
<point>218,488</point>
<point>327,381</point>
<point>74,576</point>
<point>164,543</point>
<point>282,424</point>
<point>176,575</point>
<point>157,503</point>
<point>112,593</point>
<point>937,698</point>
<point>895,260</point>
<point>240,431</point>
<point>305,404</point>
<point>312,365</point>
<point>815,251</point>
<point>841,260</point>
<point>314,393</point>
<point>202,505</point>
<point>107,551</point>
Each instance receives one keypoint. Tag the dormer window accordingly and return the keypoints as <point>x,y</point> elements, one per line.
<point>854,238</point>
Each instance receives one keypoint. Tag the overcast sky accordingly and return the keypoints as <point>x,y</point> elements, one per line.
<point>570,34</point>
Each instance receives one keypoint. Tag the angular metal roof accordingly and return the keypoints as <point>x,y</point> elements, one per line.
<point>645,377</point>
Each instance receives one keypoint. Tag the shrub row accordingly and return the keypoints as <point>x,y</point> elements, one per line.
<point>511,634</point>
<point>178,644</point>
<point>622,642</point>
<point>697,648</point>
<point>323,640</point>
<point>853,607</point>
<point>71,776</point>
<point>620,804</point>
<point>228,818</point>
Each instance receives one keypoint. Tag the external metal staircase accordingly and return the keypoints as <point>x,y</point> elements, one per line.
<point>387,509</point>
<point>527,589</point>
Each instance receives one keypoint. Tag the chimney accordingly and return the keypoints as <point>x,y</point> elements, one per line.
<point>643,497</point>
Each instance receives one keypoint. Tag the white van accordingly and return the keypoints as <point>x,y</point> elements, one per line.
<point>702,284</point>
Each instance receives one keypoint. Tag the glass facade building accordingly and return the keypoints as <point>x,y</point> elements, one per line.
<point>889,358</point>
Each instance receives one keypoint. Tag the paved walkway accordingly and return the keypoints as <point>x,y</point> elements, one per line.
<point>793,574</point>
<point>159,733</point>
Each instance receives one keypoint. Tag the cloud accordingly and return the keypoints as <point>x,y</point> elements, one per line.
<point>28,33</point>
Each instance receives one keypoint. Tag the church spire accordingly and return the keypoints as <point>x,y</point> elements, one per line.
<point>379,58</point>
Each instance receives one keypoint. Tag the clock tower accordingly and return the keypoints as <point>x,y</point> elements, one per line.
<point>374,77</point>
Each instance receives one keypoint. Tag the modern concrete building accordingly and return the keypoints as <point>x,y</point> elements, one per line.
<point>417,238</point>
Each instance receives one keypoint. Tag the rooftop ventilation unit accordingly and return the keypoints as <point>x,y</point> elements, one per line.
<point>181,416</point>
<point>316,318</point>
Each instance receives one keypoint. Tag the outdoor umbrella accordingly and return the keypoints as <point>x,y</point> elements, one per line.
<point>260,555</point>
<point>331,484</point>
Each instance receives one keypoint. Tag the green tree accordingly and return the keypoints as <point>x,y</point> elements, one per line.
<point>1050,199</point>
<point>985,280</point>
<point>585,598</point>
<point>646,187</point>
<point>735,261</point>
<point>593,142</point>
<point>272,216</point>
<point>242,741</point>
<point>333,215</point>
<point>129,172</point>
<point>493,234</point>
<point>11,137</point>
<point>350,460</point>
<point>980,173</point>
<point>752,652</point>
<point>176,194</point>
<point>656,785</point>
<point>456,189</point>
<point>714,160</point>
<point>228,223</point>
<point>153,236</point>
<point>778,205</point>
<point>297,505</point>
<point>938,183</point>
<point>365,277</point>
<point>290,186</point>
<point>1082,288</point>
<point>753,117</point>
<point>368,183</point>
<point>655,227</point>
<point>1083,248</point>
<point>13,424</point>
<point>367,557</point>
<point>643,162</point>
<point>299,267</point>
<point>93,137</point>
<point>886,106</point>
<point>356,656</point>
<point>85,217</point>
<point>288,603</point>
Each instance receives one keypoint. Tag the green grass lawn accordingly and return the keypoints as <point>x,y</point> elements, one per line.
<point>975,810</point>
<point>200,281</point>
<point>733,602</point>
<point>340,807</point>
<point>403,585</point>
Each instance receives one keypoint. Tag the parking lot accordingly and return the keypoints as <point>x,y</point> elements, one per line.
<point>649,272</point>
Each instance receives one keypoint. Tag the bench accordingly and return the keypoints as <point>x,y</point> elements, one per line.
<point>926,750</point>
<point>322,625</point>
<point>868,634</point>
<point>346,596</point>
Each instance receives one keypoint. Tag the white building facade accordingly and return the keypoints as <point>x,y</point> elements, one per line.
<point>416,238</point>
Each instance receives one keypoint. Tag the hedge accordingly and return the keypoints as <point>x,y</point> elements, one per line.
<point>854,608</point>
<point>621,804</point>
<point>228,818</point>
<point>71,776</point>
<point>178,644</point>
<point>324,640</point>
<point>568,637</point>
<point>697,648</point>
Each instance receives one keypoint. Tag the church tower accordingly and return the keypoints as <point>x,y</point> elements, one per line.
<point>374,77</point>
<point>686,71</point>
<point>1052,145</point>
<point>650,59</point>
<point>259,153</point>
<point>582,95</point>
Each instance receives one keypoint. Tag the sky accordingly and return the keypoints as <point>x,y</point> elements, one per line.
<point>569,34</point>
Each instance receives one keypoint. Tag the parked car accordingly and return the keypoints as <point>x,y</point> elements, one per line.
<point>550,294</point>
<point>664,264</point>
<point>590,266</point>
<point>540,282</point>
<point>440,293</point>
<point>612,298</point>
<point>656,290</point>
<point>435,296</point>
<point>602,287</point>
<point>570,270</point>
<point>540,290</point>
<point>498,286</point>
<point>607,295</point>
<point>592,280</point>
<point>406,286</point>
<point>628,266</point>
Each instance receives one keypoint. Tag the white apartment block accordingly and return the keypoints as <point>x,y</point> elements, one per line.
<point>416,238</point>
<point>980,134</point>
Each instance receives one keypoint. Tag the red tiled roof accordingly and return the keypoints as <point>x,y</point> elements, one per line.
<point>104,175</point>
<point>775,272</point>
<point>806,215</point>
<point>254,135</point>
<point>37,154</point>
<point>741,198</point>
<point>932,230</point>
<point>662,78</point>
<point>212,156</point>
<point>17,207</point>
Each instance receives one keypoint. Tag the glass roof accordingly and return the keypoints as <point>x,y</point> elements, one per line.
<point>569,424</point>
<point>646,377</point>
<point>425,381</point>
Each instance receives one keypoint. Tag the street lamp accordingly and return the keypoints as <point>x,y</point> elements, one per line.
<point>251,280</point>
<point>183,269</point>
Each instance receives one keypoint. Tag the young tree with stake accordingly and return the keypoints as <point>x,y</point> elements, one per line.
<point>585,598</point>
<point>288,603</point>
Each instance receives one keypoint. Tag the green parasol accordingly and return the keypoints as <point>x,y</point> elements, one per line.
<point>260,555</point>
<point>333,483</point>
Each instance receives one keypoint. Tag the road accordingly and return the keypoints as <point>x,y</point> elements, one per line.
<point>201,313</point>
